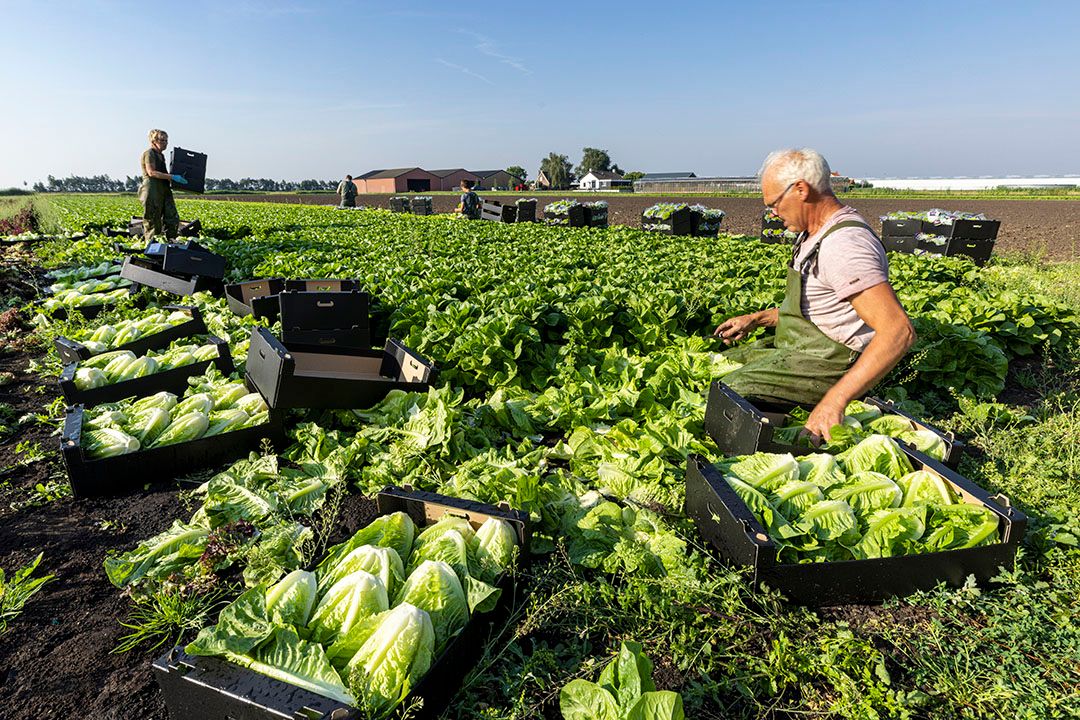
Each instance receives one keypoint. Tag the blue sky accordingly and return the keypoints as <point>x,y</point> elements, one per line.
<point>297,90</point>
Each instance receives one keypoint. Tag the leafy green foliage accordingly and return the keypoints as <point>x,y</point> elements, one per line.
<point>17,589</point>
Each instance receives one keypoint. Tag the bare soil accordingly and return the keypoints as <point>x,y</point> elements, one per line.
<point>1048,229</point>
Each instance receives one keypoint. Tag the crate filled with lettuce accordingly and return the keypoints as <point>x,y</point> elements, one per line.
<point>941,232</point>
<point>669,219</point>
<point>877,521</point>
<point>157,328</point>
<point>398,613</point>
<point>115,447</point>
<point>774,230</point>
<point>565,213</point>
<point>596,214</point>
<point>708,220</point>
<point>740,427</point>
<point>119,374</point>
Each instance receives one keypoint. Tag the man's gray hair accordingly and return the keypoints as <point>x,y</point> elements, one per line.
<point>791,165</point>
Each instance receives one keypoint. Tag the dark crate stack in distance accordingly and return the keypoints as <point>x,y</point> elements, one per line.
<point>421,206</point>
<point>596,216</point>
<point>738,427</point>
<point>399,204</point>
<point>209,688</point>
<point>574,216</point>
<point>725,521</point>
<point>192,166</point>
<point>683,221</point>
<point>526,210</point>
<point>321,378</point>
<point>972,238</point>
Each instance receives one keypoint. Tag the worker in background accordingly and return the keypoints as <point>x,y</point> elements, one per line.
<point>347,190</point>
<point>469,207</point>
<point>840,328</point>
<point>155,193</point>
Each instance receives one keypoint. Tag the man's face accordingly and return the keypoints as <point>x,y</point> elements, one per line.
<point>784,200</point>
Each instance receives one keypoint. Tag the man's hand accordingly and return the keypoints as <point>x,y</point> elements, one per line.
<point>180,179</point>
<point>736,328</point>
<point>823,417</point>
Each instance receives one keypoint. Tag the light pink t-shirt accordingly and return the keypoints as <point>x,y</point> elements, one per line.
<point>849,261</point>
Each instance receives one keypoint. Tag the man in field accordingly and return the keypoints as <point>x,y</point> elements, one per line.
<point>347,190</point>
<point>840,328</point>
<point>155,193</point>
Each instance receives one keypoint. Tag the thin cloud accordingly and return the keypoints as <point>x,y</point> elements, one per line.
<point>488,47</point>
<point>463,69</point>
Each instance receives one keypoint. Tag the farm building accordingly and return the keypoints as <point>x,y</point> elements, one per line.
<point>602,180</point>
<point>668,176</point>
<point>497,180</point>
<point>450,179</point>
<point>397,180</point>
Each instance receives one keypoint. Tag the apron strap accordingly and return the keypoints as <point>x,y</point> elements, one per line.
<point>811,258</point>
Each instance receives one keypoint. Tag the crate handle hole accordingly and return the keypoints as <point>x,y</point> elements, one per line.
<point>325,304</point>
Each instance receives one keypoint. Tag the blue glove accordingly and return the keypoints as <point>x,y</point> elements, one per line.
<point>179,179</point>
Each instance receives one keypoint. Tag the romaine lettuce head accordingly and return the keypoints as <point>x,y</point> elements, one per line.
<point>163,400</point>
<point>766,471</point>
<point>953,527</point>
<point>820,469</point>
<point>866,492</point>
<point>395,655</point>
<point>925,488</point>
<point>891,532</point>
<point>449,547</point>
<point>147,425</point>
<point>297,662</point>
<point>862,412</point>
<point>353,598</point>
<point>497,549</point>
<point>774,522</point>
<point>794,497</point>
<point>384,563</point>
<point>435,588</point>
<point>878,453</point>
<point>891,425</point>
<point>395,530</point>
<point>926,441</point>
<point>830,521</point>
<point>290,601</point>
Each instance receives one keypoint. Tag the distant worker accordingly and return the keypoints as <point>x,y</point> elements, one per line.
<point>155,193</point>
<point>469,207</point>
<point>347,190</point>
<point>840,328</point>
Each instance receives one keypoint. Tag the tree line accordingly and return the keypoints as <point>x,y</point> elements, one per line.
<point>104,183</point>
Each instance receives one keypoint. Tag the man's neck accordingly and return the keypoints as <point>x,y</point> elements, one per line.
<point>820,212</point>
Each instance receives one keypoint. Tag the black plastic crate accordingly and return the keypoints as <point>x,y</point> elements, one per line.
<point>146,272</point>
<point>207,688</point>
<point>571,217</point>
<point>526,210</point>
<point>705,227</point>
<point>738,427</point>
<point>192,259</point>
<point>323,285</point>
<point>399,204</point>
<point>596,217</point>
<point>123,473</point>
<point>508,214</point>
<point>257,298</point>
<point>420,206</point>
<point>174,381</point>
<point>909,227</point>
<point>72,351</point>
<point>900,243</point>
<point>356,379</point>
<point>325,319</point>
<point>967,229</point>
<point>725,521</point>
<point>681,222</point>
<point>190,164</point>
<point>978,250</point>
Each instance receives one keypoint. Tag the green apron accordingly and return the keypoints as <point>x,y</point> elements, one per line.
<point>799,363</point>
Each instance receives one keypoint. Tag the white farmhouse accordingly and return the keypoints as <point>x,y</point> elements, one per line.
<point>602,180</point>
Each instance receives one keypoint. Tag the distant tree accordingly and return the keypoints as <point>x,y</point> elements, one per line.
<point>593,159</point>
<point>633,175</point>
<point>104,183</point>
<point>558,170</point>
<point>518,171</point>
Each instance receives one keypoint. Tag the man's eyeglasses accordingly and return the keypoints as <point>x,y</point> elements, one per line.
<point>774,203</point>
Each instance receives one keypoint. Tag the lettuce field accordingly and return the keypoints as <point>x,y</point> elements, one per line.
<point>573,370</point>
